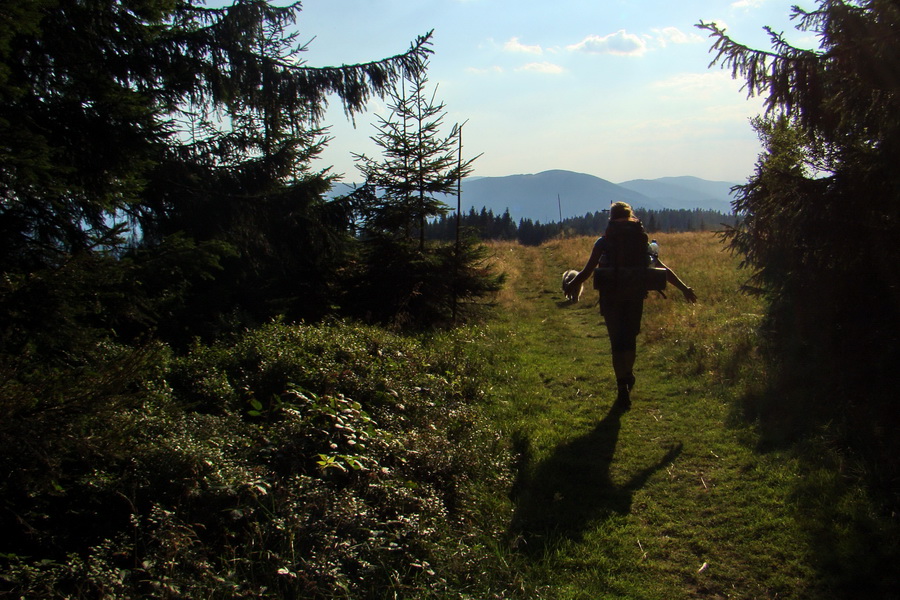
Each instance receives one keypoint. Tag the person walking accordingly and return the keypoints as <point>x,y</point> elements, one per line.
<point>624,246</point>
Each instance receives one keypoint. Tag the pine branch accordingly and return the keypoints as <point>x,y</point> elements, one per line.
<point>355,84</point>
<point>788,75</point>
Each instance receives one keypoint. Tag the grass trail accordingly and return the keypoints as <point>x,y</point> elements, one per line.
<point>668,500</point>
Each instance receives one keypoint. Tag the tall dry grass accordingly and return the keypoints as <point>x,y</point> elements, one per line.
<point>717,336</point>
<point>519,264</point>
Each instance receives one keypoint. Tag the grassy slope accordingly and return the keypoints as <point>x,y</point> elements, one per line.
<point>669,500</point>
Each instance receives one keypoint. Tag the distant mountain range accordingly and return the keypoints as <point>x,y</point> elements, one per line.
<point>547,195</point>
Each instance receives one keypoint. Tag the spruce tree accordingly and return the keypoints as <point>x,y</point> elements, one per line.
<point>418,163</point>
<point>403,279</point>
<point>832,145</point>
<point>820,214</point>
<point>164,118</point>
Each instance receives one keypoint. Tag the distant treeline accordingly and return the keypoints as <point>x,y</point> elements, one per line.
<point>488,226</point>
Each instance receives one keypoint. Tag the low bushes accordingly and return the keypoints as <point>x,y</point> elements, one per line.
<point>295,461</point>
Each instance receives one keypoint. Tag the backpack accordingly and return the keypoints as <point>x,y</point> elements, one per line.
<point>628,268</point>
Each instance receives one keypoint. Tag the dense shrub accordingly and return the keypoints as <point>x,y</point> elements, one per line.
<point>295,461</point>
<point>396,283</point>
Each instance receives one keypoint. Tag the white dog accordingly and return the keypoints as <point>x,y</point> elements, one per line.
<point>574,295</point>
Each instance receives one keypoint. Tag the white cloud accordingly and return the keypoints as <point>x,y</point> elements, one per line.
<point>694,83</point>
<point>514,45</point>
<point>546,68</point>
<point>747,4</point>
<point>620,43</point>
<point>715,95</point>
<point>673,35</point>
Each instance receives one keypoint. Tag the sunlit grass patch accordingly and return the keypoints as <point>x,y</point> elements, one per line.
<point>516,262</point>
<point>718,335</point>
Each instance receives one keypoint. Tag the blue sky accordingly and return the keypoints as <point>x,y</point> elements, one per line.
<point>620,89</point>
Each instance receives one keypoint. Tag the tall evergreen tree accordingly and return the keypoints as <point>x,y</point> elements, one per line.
<point>185,118</point>
<point>821,213</point>
<point>824,204</point>
<point>418,163</point>
<point>402,279</point>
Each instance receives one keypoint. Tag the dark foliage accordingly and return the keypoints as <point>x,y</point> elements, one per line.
<point>155,192</point>
<point>124,124</point>
<point>820,215</point>
<point>58,315</point>
<point>397,284</point>
<point>311,462</point>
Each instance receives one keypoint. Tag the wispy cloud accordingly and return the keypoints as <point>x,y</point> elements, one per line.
<point>514,45</point>
<point>698,83</point>
<point>620,43</point>
<point>715,89</point>
<point>546,68</point>
<point>673,35</point>
<point>495,70</point>
<point>747,3</point>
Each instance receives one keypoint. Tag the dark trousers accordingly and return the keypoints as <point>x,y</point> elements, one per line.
<point>622,315</point>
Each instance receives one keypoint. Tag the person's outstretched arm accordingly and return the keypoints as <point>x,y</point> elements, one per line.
<point>672,278</point>
<point>588,269</point>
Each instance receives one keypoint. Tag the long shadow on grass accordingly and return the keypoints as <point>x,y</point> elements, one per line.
<point>559,498</point>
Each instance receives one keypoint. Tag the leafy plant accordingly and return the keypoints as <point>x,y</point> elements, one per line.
<point>311,461</point>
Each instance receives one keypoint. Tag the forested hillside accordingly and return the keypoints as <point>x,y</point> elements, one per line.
<point>486,226</point>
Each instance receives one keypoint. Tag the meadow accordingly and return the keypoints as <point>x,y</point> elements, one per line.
<point>678,497</point>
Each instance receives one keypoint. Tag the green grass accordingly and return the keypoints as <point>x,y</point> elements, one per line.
<point>670,499</point>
